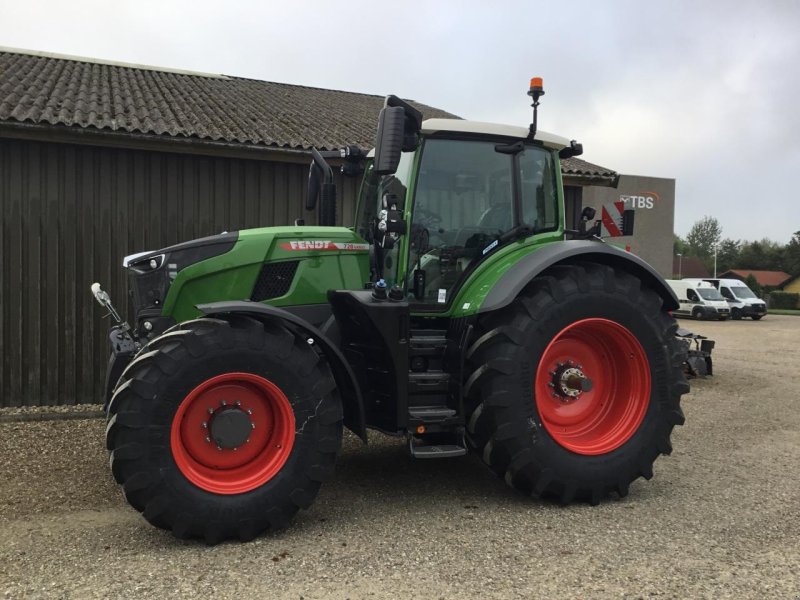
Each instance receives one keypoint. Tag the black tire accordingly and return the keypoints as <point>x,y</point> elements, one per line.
<point>506,428</point>
<point>167,372</point>
<point>736,314</point>
<point>756,317</point>
<point>697,314</point>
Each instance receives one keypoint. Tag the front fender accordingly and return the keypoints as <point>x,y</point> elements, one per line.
<point>515,278</point>
<point>352,400</point>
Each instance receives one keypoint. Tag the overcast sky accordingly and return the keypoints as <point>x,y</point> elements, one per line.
<point>703,92</point>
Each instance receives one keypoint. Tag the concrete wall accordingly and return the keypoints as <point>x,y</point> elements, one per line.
<point>653,199</point>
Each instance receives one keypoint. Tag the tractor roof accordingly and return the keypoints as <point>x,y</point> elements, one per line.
<point>513,131</point>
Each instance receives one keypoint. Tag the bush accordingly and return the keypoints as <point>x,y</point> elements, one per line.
<point>787,300</point>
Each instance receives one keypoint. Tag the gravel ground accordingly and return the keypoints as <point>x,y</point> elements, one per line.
<point>720,518</point>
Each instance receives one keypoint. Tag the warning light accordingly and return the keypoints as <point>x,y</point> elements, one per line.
<point>537,89</point>
<point>420,429</point>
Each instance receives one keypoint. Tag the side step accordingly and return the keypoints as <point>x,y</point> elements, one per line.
<point>419,449</point>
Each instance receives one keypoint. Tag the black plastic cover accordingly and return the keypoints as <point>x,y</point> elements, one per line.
<point>389,140</point>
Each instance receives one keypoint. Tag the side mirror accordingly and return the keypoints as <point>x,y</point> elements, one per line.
<point>320,181</point>
<point>389,140</point>
<point>574,149</point>
<point>399,125</point>
<point>314,185</point>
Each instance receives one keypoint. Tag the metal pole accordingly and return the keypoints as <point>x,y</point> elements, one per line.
<point>680,265</point>
<point>715,261</point>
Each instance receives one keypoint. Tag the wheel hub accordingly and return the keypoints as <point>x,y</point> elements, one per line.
<point>230,427</point>
<point>569,381</point>
<point>232,433</point>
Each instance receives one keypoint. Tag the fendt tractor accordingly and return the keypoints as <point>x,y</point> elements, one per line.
<point>458,313</point>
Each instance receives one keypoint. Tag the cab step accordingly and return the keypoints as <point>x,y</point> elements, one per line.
<point>420,448</point>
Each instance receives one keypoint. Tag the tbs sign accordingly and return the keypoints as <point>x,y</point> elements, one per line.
<point>642,200</point>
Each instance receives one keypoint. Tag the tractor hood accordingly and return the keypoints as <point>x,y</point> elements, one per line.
<point>282,266</point>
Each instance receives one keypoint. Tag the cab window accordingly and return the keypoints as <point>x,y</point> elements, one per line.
<point>464,202</point>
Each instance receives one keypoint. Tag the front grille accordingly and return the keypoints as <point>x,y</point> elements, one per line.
<point>274,280</point>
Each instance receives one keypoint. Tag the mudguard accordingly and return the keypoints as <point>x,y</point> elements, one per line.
<point>352,400</point>
<point>519,275</point>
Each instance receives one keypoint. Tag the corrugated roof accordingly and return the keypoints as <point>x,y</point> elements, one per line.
<point>768,278</point>
<point>576,166</point>
<point>76,92</point>
<point>93,94</point>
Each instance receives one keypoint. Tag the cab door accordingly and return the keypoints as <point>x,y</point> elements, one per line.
<point>468,193</point>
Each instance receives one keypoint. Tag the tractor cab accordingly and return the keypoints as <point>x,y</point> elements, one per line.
<point>463,193</point>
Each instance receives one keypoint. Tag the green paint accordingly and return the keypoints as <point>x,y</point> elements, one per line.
<point>232,276</point>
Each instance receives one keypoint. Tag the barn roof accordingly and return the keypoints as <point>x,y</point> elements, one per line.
<point>768,278</point>
<point>91,94</point>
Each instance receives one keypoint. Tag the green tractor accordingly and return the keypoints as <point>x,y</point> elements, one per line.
<point>458,313</point>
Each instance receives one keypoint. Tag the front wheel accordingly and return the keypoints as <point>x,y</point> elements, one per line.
<point>576,386</point>
<point>756,317</point>
<point>224,428</point>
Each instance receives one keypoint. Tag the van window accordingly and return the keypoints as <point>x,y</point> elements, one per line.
<point>741,291</point>
<point>726,293</point>
<point>709,294</point>
<point>691,295</point>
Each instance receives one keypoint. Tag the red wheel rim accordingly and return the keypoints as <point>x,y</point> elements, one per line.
<point>604,417</point>
<point>253,462</point>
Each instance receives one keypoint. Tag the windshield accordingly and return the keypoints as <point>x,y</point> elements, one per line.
<point>709,294</point>
<point>464,202</point>
<point>743,292</point>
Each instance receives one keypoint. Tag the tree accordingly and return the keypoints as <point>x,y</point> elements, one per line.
<point>792,255</point>
<point>764,255</point>
<point>703,236</point>
<point>728,254</point>
<point>679,245</point>
<point>753,285</point>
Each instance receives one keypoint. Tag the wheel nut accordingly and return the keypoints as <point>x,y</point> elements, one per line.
<point>252,425</point>
<point>249,411</point>
<point>211,411</point>
<point>238,403</point>
<point>205,425</point>
<point>208,439</point>
<point>223,403</point>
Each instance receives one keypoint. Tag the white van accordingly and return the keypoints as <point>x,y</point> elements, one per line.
<point>741,299</point>
<point>699,299</point>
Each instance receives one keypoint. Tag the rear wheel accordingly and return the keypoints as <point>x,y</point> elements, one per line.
<point>576,386</point>
<point>736,314</point>
<point>697,313</point>
<point>756,317</point>
<point>222,429</point>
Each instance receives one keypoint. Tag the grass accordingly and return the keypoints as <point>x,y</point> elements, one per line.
<point>784,311</point>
